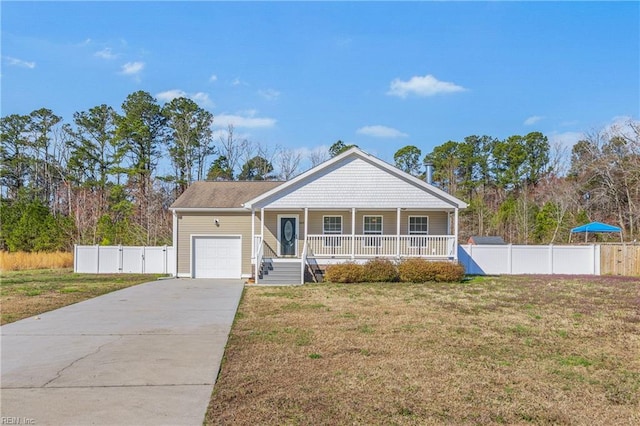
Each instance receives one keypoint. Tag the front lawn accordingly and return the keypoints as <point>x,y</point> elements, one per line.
<point>27,293</point>
<point>507,350</point>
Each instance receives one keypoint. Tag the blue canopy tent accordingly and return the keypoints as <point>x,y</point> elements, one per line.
<point>595,227</point>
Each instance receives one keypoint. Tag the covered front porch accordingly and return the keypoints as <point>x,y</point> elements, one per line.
<point>314,236</point>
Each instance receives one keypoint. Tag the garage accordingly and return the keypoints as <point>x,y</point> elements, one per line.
<point>217,257</point>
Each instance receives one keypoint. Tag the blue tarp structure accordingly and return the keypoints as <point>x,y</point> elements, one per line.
<point>595,227</point>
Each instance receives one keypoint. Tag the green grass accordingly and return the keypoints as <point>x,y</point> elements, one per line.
<point>32,292</point>
<point>491,350</point>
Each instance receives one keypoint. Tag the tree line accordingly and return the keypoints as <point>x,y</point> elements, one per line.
<point>109,177</point>
<point>529,192</point>
<point>100,180</point>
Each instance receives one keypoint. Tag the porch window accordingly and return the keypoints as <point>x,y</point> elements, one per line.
<point>418,225</point>
<point>332,225</point>
<point>372,226</point>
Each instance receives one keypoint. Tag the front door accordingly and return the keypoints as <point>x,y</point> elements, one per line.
<point>287,236</point>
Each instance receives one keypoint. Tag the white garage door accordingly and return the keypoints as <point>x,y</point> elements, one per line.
<point>217,257</point>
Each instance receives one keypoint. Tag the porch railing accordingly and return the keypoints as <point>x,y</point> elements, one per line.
<point>351,246</point>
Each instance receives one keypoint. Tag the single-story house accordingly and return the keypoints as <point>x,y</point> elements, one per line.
<point>351,207</point>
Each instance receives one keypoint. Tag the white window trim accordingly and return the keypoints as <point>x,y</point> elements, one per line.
<point>412,243</point>
<point>341,224</point>
<point>364,232</point>
<point>364,219</point>
<point>331,241</point>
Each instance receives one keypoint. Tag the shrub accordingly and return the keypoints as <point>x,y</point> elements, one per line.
<point>345,273</point>
<point>416,270</point>
<point>380,271</point>
<point>448,272</point>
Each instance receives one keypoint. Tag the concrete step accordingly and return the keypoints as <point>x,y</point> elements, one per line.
<point>274,272</point>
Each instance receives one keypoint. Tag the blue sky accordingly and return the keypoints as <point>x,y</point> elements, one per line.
<point>303,75</point>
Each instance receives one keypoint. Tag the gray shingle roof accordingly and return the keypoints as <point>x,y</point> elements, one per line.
<point>481,241</point>
<point>206,194</point>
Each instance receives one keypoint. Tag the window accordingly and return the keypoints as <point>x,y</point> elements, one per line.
<point>372,225</point>
<point>332,225</point>
<point>418,225</point>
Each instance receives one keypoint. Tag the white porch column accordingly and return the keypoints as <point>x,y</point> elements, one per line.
<point>306,227</point>
<point>455,235</point>
<point>253,234</point>
<point>398,234</point>
<point>262,223</point>
<point>353,233</point>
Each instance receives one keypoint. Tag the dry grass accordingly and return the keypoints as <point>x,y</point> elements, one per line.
<point>508,350</point>
<point>27,293</point>
<point>19,261</point>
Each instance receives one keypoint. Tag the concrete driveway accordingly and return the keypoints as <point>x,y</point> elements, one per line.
<point>148,354</point>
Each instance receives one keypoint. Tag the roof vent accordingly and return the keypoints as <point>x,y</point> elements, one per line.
<point>429,174</point>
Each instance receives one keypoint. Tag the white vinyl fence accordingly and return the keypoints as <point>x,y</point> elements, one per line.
<point>512,259</point>
<point>124,259</point>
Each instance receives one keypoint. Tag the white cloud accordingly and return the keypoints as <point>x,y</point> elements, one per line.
<point>381,132</point>
<point>105,53</point>
<point>169,95</point>
<point>237,82</point>
<point>532,120</point>
<point>624,126</point>
<point>132,68</point>
<point>19,62</point>
<point>201,98</point>
<point>244,120</point>
<point>565,139</point>
<point>422,86</point>
<point>213,78</point>
<point>269,94</point>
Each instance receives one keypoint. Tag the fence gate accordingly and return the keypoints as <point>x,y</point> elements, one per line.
<point>124,259</point>
<point>620,259</point>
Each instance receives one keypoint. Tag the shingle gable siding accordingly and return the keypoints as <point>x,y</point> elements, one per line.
<point>355,182</point>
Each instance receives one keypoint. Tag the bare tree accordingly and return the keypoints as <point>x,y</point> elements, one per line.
<point>318,156</point>
<point>251,151</point>
<point>232,148</point>
<point>288,163</point>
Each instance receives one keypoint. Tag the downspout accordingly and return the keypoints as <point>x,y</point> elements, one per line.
<point>175,243</point>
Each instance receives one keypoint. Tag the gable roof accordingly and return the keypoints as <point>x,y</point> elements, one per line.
<point>343,192</point>
<point>225,195</point>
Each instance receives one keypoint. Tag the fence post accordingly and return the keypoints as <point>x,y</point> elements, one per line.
<point>510,259</point>
<point>97,259</point>
<point>75,258</point>
<point>144,258</point>
<point>120,258</point>
<point>164,259</point>
<point>596,265</point>
<point>551,259</point>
